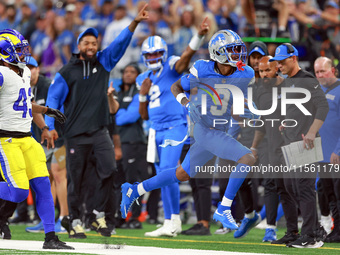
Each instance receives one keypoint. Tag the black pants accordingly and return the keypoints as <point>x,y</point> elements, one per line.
<point>302,190</point>
<point>154,198</point>
<point>79,149</point>
<point>135,168</point>
<point>271,200</point>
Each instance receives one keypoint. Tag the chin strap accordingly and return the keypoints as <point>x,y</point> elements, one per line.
<point>240,65</point>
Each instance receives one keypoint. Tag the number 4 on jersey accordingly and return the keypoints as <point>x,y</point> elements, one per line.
<point>23,107</point>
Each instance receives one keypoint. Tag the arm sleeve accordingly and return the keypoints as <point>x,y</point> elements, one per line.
<point>56,96</point>
<point>110,56</point>
<point>129,115</point>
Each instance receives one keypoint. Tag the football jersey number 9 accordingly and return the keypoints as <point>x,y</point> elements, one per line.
<point>225,100</point>
<point>23,107</point>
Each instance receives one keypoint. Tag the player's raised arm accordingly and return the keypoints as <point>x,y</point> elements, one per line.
<point>195,43</point>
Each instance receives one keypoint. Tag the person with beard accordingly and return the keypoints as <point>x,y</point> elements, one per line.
<point>81,86</point>
<point>274,186</point>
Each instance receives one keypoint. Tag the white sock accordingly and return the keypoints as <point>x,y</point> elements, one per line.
<point>140,189</point>
<point>250,215</point>
<point>282,28</point>
<point>271,226</point>
<point>226,201</point>
<point>175,217</point>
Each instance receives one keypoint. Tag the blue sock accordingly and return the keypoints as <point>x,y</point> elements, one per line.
<point>173,195</point>
<point>235,180</point>
<point>280,212</point>
<point>263,212</point>
<point>166,203</point>
<point>44,200</point>
<point>12,194</point>
<point>160,180</point>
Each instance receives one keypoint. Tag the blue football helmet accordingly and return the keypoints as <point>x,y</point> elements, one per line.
<point>14,48</point>
<point>151,45</point>
<point>226,47</point>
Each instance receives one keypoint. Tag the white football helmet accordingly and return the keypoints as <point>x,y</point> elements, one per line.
<point>151,45</point>
<point>226,47</point>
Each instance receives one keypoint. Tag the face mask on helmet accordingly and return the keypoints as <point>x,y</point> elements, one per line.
<point>14,49</point>
<point>226,47</point>
<point>154,52</point>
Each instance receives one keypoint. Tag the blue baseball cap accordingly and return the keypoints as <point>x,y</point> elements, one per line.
<point>32,62</point>
<point>282,52</point>
<point>89,31</point>
<point>259,47</point>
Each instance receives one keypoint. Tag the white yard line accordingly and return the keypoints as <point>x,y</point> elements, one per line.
<point>103,249</point>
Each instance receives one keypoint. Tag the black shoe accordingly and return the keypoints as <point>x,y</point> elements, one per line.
<point>100,226</point>
<point>306,241</point>
<point>197,230</point>
<point>287,238</point>
<point>134,224</point>
<point>20,220</point>
<point>320,234</point>
<point>65,223</point>
<point>5,232</point>
<point>75,229</point>
<point>333,237</point>
<point>153,221</point>
<point>56,244</point>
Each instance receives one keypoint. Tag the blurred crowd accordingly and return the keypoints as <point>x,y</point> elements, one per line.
<point>52,26</point>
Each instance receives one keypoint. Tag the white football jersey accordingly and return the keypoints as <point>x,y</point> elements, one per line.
<point>15,100</point>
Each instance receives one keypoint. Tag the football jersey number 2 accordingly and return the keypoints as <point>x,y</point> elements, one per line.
<point>23,107</point>
<point>154,93</point>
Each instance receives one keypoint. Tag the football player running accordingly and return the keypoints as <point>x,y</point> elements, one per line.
<point>226,65</point>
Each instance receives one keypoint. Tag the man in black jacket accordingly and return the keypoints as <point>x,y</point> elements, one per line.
<point>82,87</point>
<point>306,129</point>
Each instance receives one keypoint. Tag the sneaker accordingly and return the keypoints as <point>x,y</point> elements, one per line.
<point>112,229</point>
<point>65,223</point>
<point>129,196</point>
<point>333,237</point>
<point>287,238</point>
<point>223,215</point>
<point>197,230</point>
<point>134,224</point>
<point>20,220</point>
<point>270,235</point>
<point>222,231</point>
<point>36,229</point>
<point>166,229</point>
<point>58,228</point>
<point>56,244</point>
<point>320,234</point>
<point>100,226</point>
<point>246,225</point>
<point>305,241</point>
<point>5,232</point>
<point>327,223</point>
<point>76,230</point>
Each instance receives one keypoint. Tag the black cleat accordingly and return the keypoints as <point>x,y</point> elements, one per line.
<point>56,244</point>
<point>287,238</point>
<point>5,232</point>
<point>100,226</point>
<point>306,241</point>
<point>197,230</point>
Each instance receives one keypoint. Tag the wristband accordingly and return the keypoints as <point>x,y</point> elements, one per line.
<point>195,42</point>
<point>180,96</point>
<point>45,127</point>
<point>142,98</point>
<point>253,149</point>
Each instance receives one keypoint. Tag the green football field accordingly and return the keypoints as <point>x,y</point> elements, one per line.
<point>251,243</point>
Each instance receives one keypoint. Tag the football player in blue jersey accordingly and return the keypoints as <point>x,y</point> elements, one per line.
<point>159,106</point>
<point>228,55</point>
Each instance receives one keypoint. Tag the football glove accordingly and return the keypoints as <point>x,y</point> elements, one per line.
<point>54,113</point>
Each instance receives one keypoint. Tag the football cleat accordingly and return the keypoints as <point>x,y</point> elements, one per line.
<point>223,215</point>
<point>129,196</point>
<point>246,225</point>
